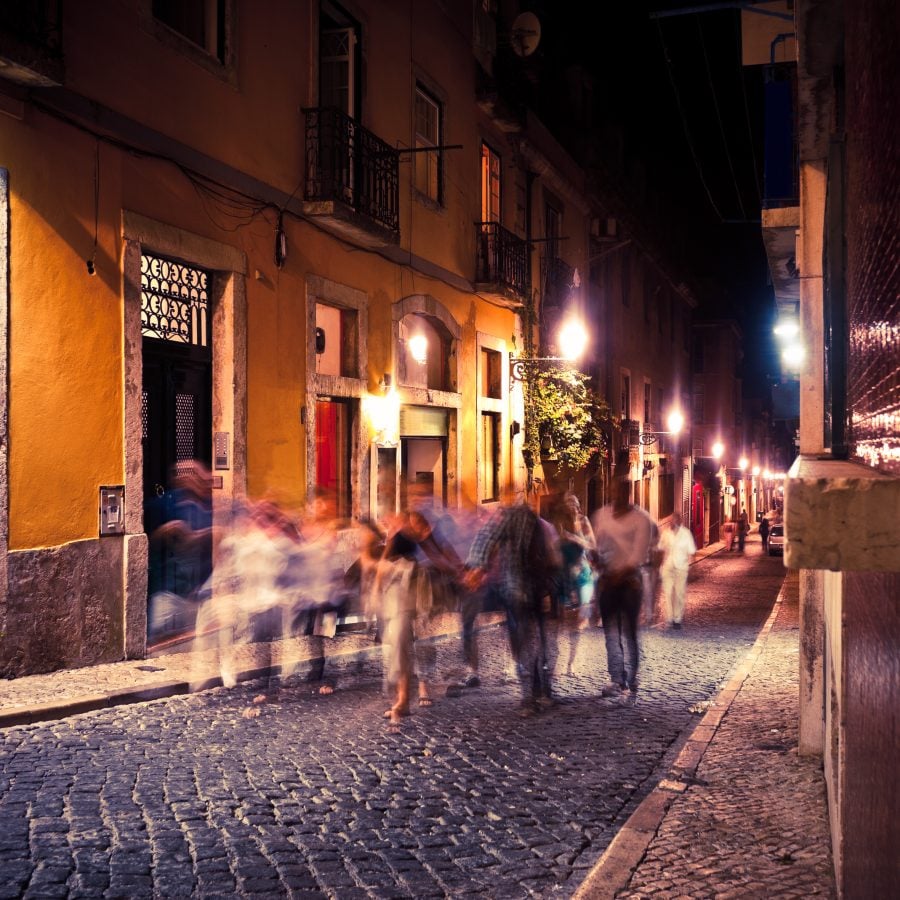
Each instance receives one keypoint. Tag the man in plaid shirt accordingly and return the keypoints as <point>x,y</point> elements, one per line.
<point>515,535</point>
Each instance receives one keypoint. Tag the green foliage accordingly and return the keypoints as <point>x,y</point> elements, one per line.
<point>563,417</point>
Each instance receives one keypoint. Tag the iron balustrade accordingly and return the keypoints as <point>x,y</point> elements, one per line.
<point>347,163</point>
<point>559,277</point>
<point>502,258</point>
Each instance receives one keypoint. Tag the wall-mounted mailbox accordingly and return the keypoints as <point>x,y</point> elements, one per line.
<point>112,509</point>
<point>220,448</point>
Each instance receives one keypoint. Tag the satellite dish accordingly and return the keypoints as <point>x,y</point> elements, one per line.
<point>525,34</point>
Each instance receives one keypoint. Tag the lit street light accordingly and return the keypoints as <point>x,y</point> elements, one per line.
<point>572,339</point>
<point>718,448</point>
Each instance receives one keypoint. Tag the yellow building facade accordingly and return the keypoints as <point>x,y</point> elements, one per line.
<point>292,240</point>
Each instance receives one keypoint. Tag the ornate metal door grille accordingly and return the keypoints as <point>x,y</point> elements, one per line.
<point>174,302</point>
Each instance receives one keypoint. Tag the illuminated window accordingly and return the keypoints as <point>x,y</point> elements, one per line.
<point>490,374</point>
<point>424,353</point>
<point>490,185</point>
<point>428,165</point>
<point>336,333</point>
<point>490,456</point>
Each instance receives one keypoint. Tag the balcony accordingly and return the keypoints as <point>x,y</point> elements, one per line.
<point>352,179</point>
<point>501,264</point>
<point>31,42</point>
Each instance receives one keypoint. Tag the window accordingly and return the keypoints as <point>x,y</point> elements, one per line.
<point>333,449</point>
<point>697,412</point>
<point>338,60</point>
<point>202,22</point>
<point>490,456</point>
<point>428,165</point>
<point>698,354</point>
<point>424,353</point>
<point>175,302</point>
<point>646,295</point>
<point>336,341</point>
<point>665,498</point>
<point>490,374</point>
<point>490,185</point>
<point>626,396</point>
<point>648,404</point>
<point>552,230</point>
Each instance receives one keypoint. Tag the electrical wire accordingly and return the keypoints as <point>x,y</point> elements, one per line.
<point>684,125</point>
<point>712,90</point>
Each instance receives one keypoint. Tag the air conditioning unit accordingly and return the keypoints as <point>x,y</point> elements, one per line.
<point>604,228</point>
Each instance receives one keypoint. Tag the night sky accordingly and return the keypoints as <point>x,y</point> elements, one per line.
<point>693,126</point>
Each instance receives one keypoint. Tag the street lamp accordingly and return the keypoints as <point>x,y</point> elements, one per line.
<point>572,340</point>
<point>718,448</point>
<point>743,462</point>
<point>675,422</point>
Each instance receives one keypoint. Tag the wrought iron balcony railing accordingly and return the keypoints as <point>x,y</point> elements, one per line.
<point>559,276</point>
<point>346,162</point>
<point>502,258</point>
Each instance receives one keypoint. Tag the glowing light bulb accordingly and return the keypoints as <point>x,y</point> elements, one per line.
<point>675,422</point>
<point>418,348</point>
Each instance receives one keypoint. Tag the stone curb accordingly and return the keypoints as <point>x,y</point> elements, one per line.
<point>614,869</point>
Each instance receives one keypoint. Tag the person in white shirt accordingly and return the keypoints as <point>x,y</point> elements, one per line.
<point>623,534</point>
<point>677,545</point>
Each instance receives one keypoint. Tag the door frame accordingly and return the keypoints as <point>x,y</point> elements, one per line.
<point>228,267</point>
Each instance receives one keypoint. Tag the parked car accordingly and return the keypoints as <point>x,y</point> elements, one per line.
<point>776,540</point>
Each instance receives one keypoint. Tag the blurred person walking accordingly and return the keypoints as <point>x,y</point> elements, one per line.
<point>677,545</point>
<point>405,598</point>
<point>623,533</point>
<point>515,535</point>
<point>764,533</point>
<point>578,547</point>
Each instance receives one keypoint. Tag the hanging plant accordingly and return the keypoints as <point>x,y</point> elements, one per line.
<point>563,418</point>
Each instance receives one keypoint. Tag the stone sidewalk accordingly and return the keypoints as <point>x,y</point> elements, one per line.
<point>740,813</point>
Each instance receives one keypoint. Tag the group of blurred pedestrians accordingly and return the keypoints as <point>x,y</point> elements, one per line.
<point>259,573</point>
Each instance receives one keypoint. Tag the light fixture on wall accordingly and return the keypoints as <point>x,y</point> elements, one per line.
<point>383,413</point>
<point>418,348</point>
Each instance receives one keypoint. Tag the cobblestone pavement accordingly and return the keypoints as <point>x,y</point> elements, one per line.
<point>316,797</point>
<point>773,796</point>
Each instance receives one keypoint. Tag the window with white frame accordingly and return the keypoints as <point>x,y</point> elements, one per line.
<point>428,164</point>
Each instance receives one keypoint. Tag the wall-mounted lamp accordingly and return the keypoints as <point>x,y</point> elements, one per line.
<point>675,423</point>
<point>320,340</point>
<point>418,348</point>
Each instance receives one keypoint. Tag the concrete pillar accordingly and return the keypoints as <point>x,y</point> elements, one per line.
<point>813,181</point>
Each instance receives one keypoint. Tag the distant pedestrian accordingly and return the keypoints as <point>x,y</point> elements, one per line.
<point>729,529</point>
<point>764,533</point>
<point>742,529</point>
<point>623,534</point>
<point>677,545</point>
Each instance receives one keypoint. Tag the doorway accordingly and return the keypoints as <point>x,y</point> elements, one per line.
<point>423,477</point>
<point>176,435</point>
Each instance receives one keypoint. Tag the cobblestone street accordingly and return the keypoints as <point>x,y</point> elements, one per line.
<point>317,797</point>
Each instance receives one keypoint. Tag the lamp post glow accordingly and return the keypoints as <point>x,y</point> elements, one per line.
<point>787,328</point>
<point>675,422</point>
<point>793,356</point>
<point>718,448</point>
<point>743,463</point>
<point>572,339</point>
